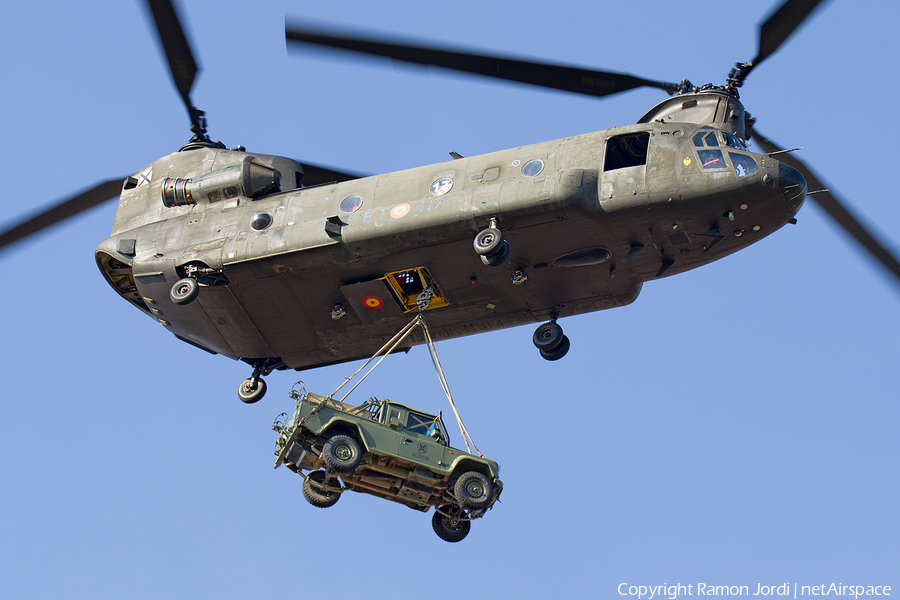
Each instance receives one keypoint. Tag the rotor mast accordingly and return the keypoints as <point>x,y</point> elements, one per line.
<point>182,65</point>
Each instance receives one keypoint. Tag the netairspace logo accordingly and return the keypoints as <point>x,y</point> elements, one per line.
<point>649,592</point>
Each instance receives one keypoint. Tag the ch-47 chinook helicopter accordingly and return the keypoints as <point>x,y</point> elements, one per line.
<point>290,266</point>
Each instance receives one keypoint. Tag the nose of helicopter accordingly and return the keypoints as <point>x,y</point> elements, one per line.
<point>793,184</point>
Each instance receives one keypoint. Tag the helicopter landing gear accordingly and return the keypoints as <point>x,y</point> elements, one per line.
<point>184,291</point>
<point>252,390</point>
<point>491,247</point>
<point>550,340</point>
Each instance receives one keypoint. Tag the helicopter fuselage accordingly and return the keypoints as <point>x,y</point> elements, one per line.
<point>298,277</point>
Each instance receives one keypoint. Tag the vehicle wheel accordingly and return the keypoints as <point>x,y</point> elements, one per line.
<point>497,258</point>
<point>316,496</point>
<point>184,291</point>
<point>488,241</point>
<point>251,391</point>
<point>558,352</point>
<point>341,453</point>
<point>449,530</point>
<point>473,490</point>
<point>548,336</point>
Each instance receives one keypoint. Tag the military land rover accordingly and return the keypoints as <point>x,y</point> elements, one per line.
<point>387,450</point>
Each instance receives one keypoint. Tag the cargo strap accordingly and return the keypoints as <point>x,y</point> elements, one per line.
<point>390,346</point>
<point>437,367</point>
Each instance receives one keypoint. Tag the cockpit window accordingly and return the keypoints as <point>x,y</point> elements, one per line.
<point>711,159</point>
<point>743,165</point>
<point>734,142</point>
<point>710,139</point>
<point>629,150</point>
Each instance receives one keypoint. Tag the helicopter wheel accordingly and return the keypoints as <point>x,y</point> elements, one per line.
<point>252,390</point>
<point>491,247</point>
<point>548,336</point>
<point>497,258</point>
<point>184,291</point>
<point>558,352</point>
<point>488,241</point>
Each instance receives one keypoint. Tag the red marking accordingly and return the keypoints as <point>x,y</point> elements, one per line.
<point>372,302</point>
<point>400,211</point>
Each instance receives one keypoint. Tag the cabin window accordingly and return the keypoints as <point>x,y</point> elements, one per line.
<point>260,221</point>
<point>351,204</point>
<point>441,186</point>
<point>629,150</point>
<point>711,159</point>
<point>711,140</point>
<point>533,167</point>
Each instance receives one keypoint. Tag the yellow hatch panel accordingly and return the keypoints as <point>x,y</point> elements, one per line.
<point>407,285</point>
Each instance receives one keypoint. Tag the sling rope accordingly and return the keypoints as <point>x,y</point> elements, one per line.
<point>390,346</point>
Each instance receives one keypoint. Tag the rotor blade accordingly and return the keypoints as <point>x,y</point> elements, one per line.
<point>834,207</point>
<point>178,51</point>
<point>780,25</point>
<point>772,34</point>
<point>316,175</point>
<point>560,77</point>
<point>64,210</point>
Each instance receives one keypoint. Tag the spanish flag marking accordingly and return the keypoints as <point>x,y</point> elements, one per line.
<point>400,211</point>
<point>372,302</point>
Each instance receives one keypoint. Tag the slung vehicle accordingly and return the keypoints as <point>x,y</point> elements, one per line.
<point>387,450</point>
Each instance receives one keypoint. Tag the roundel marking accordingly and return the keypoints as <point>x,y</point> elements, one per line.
<point>372,302</point>
<point>400,211</point>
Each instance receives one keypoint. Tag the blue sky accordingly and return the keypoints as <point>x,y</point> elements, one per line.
<point>736,425</point>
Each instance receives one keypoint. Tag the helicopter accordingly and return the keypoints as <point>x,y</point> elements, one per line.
<point>286,265</point>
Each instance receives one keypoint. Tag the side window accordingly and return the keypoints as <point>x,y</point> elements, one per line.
<point>440,432</point>
<point>629,150</point>
<point>394,419</point>
<point>419,423</point>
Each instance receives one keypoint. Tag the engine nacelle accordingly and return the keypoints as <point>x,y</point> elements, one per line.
<point>252,178</point>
